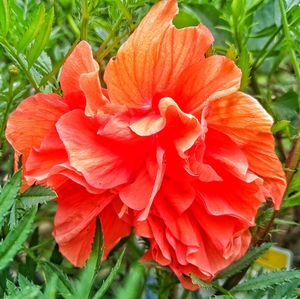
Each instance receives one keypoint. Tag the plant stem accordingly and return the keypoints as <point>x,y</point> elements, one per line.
<point>260,59</point>
<point>185,294</point>
<point>20,62</point>
<point>222,290</point>
<point>84,20</point>
<point>108,37</point>
<point>108,50</point>
<point>289,39</point>
<point>57,67</point>
<point>293,159</point>
<point>5,116</point>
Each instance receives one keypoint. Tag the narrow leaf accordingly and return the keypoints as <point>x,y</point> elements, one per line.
<point>50,290</point>
<point>33,29</point>
<point>4,17</point>
<point>267,280</point>
<point>9,193</point>
<point>15,238</point>
<point>63,283</point>
<point>36,195</point>
<point>84,284</point>
<point>42,39</point>
<point>109,280</point>
<point>253,254</point>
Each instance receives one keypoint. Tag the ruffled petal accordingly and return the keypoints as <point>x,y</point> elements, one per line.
<point>43,159</point>
<point>140,194</point>
<point>74,223</point>
<point>32,121</point>
<point>113,226</point>
<point>154,56</point>
<point>204,81</point>
<point>176,127</point>
<point>102,161</point>
<point>242,118</point>
<point>80,74</point>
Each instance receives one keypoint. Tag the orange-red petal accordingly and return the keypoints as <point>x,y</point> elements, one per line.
<point>154,56</point>
<point>74,223</point>
<point>32,121</point>
<point>242,118</point>
<point>80,73</point>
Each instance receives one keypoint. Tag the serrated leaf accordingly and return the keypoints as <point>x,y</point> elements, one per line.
<point>253,254</point>
<point>42,39</point>
<point>36,195</point>
<point>33,29</point>
<point>84,283</point>
<point>9,193</point>
<point>109,280</point>
<point>63,283</point>
<point>267,280</point>
<point>4,17</point>
<point>15,238</point>
<point>201,283</point>
<point>29,292</point>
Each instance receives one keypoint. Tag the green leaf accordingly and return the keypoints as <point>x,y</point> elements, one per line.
<point>284,222</point>
<point>64,285</point>
<point>28,292</point>
<point>15,238</point>
<point>292,201</point>
<point>286,107</point>
<point>109,280</point>
<point>42,39</point>
<point>33,29</point>
<point>50,290</point>
<point>185,19</point>
<point>280,126</point>
<point>9,193</point>
<point>134,283</point>
<point>4,17</point>
<point>267,280</point>
<point>201,283</point>
<point>253,254</point>
<point>36,195</point>
<point>84,284</point>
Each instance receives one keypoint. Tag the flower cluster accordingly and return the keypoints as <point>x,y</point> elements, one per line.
<point>170,148</point>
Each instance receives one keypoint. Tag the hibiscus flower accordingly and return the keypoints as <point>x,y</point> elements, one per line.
<point>171,148</point>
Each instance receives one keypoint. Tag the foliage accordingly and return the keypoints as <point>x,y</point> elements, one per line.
<point>36,37</point>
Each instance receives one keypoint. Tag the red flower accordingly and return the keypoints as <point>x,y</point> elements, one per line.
<point>170,147</point>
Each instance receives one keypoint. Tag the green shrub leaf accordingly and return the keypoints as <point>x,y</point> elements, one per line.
<point>15,238</point>
<point>267,280</point>
<point>253,254</point>
<point>9,193</point>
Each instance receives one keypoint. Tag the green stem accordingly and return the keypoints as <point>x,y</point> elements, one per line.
<point>264,52</point>
<point>289,39</point>
<point>185,294</point>
<point>223,290</point>
<point>84,20</point>
<point>5,116</point>
<point>20,62</point>
<point>109,37</point>
<point>57,67</point>
<point>108,50</point>
<point>293,159</point>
